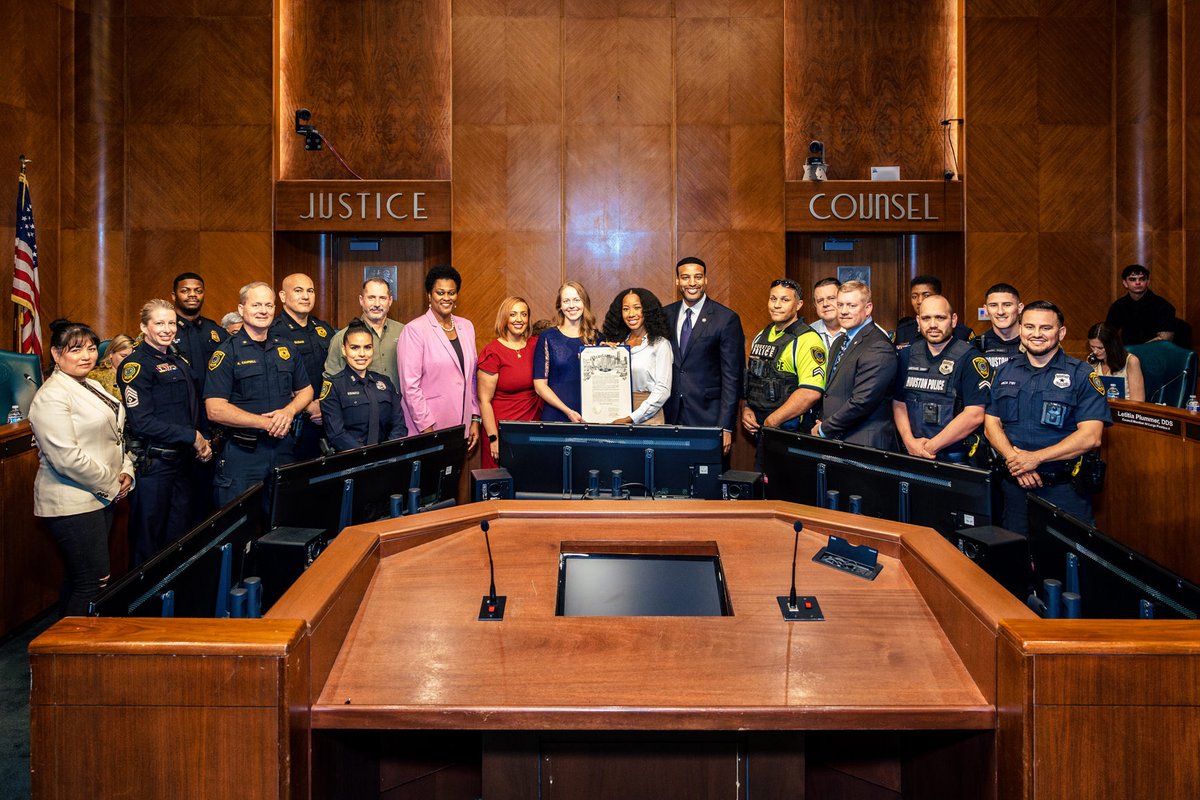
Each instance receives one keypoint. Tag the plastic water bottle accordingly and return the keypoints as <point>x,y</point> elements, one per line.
<point>1193,404</point>
<point>14,414</point>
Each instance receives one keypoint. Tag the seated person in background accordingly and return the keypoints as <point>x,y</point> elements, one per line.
<point>1002,341</point>
<point>232,322</point>
<point>942,388</point>
<point>636,318</point>
<point>105,372</point>
<point>539,327</point>
<point>861,376</point>
<point>907,330</point>
<point>1141,315</point>
<point>1110,358</point>
<point>360,407</point>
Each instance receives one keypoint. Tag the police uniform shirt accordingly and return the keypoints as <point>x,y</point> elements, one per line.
<point>1041,406</point>
<point>996,350</point>
<point>161,405</point>
<point>908,333</point>
<point>935,388</point>
<point>310,341</point>
<point>258,377</point>
<point>348,403</point>
<point>197,340</point>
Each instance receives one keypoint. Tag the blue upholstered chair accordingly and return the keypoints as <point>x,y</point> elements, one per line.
<point>1169,371</point>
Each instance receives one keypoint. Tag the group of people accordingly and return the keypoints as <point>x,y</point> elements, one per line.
<point>195,413</point>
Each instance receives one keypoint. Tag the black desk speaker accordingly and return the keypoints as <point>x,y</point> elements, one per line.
<point>1000,553</point>
<point>491,484</point>
<point>738,484</point>
<point>282,555</point>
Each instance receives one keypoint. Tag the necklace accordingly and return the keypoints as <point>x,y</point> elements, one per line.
<point>443,327</point>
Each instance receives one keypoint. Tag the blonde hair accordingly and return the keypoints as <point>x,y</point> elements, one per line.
<point>116,345</point>
<point>856,286</point>
<point>506,307</point>
<point>152,306</point>
<point>587,324</point>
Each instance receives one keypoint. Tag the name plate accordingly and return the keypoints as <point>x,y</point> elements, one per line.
<point>607,383</point>
<point>367,206</point>
<point>1152,422</point>
<point>863,206</point>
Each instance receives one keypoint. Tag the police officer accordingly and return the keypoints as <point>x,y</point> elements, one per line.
<point>942,387</point>
<point>309,339</point>
<point>1047,412</point>
<point>256,386</point>
<point>1001,342</point>
<point>196,336</point>
<point>162,415</point>
<point>360,407</point>
<point>785,375</point>
<point>908,332</point>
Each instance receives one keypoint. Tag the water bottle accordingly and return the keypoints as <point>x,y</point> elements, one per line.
<point>14,414</point>
<point>1113,393</point>
<point>1193,404</point>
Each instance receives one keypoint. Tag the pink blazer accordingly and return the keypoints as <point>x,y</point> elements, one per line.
<point>434,390</point>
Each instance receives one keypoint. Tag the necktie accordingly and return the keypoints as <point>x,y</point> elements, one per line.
<point>372,416</point>
<point>837,358</point>
<point>685,332</point>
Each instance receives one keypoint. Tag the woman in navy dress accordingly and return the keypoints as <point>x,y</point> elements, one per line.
<point>556,360</point>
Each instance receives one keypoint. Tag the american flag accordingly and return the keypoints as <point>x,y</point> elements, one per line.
<point>26,292</point>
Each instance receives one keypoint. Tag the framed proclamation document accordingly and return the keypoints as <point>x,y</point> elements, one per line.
<point>607,383</point>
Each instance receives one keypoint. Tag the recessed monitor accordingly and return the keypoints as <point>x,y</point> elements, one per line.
<point>641,579</point>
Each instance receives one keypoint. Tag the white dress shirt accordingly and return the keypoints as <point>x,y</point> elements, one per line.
<point>650,365</point>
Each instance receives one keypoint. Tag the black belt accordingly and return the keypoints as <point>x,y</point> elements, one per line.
<point>166,453</point>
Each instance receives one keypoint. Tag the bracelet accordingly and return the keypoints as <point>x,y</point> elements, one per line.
<point>475,418</point>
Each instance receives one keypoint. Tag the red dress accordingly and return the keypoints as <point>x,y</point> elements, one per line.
<point>514,397</point>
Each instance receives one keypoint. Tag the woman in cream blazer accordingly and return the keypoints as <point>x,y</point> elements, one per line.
<point>84,468</point>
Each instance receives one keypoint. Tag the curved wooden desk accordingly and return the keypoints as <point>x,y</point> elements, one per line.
<point>372,676</point>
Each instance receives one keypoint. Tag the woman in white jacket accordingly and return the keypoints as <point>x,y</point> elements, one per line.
<point>84,468</point>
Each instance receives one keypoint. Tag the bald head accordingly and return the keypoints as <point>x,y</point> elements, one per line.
<point>298,296</point>
<point>936,319</point>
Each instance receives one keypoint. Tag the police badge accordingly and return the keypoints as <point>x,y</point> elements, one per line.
<point>325,387</point>
<point>130,371</point>
<point>1062,380</point>
<point>946,367</point>
<point>284,353</point>
<point>216,337</point>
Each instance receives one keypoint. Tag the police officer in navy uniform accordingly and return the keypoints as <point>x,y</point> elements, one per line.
<point>309,339</point>
<point>942,387</point>
<point>360,407</point>
<point>256,387</point>
<point>162,413</point>
<point>908,332</point>
<point>197,337</point>
<point>1001,342</point>
<point>1047,412</point>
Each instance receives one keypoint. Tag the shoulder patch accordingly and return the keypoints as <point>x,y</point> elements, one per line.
<point>131,397</point>
<point>284,353</point>
<point>1094,379</point>
<point>981,366</point>
<point>818,354</point>
<point>129,371</point>
<point>216,360</point>
<point>216,337</point>
<point>325,387</point>
<point>320,329</point>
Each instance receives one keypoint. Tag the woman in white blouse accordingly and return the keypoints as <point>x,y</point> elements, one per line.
<point>636,319</point>
<point>84,469</point>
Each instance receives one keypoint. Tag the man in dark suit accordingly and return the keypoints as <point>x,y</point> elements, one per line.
<point>862,375</point>
<point>710,349</point>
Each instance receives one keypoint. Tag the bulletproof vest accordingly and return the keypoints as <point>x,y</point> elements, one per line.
<point>931,387</point>
<point>997,351</point>
<point>766,387</point>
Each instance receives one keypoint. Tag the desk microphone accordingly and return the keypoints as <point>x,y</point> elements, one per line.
<point>798,608</point>
<point>492,607</point>
<point>1162,390</point>
<point>29,378</point>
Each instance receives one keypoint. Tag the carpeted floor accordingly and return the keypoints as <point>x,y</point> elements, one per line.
<point>14,709</point>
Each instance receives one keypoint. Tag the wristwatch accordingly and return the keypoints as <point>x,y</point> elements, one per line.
<point>492,437</point>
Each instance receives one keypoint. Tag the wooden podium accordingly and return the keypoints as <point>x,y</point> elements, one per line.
<point>372,677</point>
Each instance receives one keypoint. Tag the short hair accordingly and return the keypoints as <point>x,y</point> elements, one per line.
<point>377,279</point>
<point>156,304</point>
<point>653,316</point>
<point>442,272</point>
<point>64,333</point>
<point>1134,269</point>
<point>245,290</point>
<point>949,305</point>
<point>1003,288</point>
<point>232,318</point>
<point>788,283</point>
<point>691,260</point>
<point>506,307</point>
<point>185,276</point>
<point>356,325</point>
<point>927,280</point>
<point>1044,305</point>
<point>1115,354</point>
<point>826,282</point>
<point>856,286</point>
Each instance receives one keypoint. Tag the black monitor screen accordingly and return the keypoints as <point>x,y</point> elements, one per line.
<point>893,486</point>
<point>553,459</point>
<point>1112,579</point>
<point>640,584</point>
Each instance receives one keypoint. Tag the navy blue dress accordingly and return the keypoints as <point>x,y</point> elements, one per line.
<point>556,361</point>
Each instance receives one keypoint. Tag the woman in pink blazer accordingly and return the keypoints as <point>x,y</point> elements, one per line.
<point>436,360</point>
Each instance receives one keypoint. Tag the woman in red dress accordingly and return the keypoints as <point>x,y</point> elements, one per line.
<point>505,377</point>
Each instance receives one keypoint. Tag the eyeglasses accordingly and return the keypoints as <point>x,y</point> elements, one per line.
<point>786,283</point>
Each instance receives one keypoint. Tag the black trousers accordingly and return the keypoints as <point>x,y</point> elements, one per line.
<point>161,506</point>
<point>83,540</point>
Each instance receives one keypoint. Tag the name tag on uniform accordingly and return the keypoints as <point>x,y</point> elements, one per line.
<point>353,393</point>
